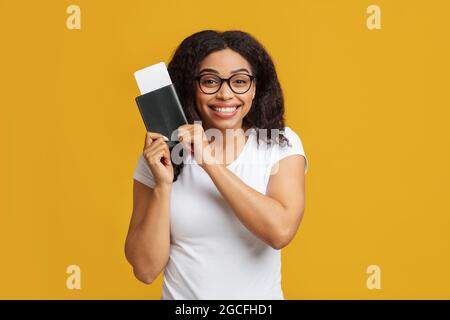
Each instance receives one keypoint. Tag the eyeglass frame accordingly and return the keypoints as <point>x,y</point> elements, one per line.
<point>227,80</point>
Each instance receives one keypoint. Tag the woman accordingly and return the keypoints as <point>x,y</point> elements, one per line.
<point>215,223</point>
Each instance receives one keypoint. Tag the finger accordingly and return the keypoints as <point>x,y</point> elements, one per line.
<point>163,155</point>
<point>187,146</point>
<point>155,135</point>
<point>158,148</point>
<point>155,154</point>
<point>183,134</point>
<point>152,136</point>
<point>156,145</point>
<point>184,127</point>
<point>186,139</point>
<point>159,141</point>
<point>166,157</point>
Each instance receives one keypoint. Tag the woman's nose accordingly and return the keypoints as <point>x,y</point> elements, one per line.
<point>225,91</point>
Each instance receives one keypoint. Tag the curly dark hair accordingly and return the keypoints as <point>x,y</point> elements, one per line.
<point>267,110</point>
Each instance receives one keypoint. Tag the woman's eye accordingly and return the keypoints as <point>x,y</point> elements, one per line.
<point>240,81</point>
<point>209,81</point>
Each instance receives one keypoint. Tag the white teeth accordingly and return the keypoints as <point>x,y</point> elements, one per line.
<point>225,110</point>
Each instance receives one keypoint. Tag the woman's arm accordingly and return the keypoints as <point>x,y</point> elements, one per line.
<point>147,245</point>
<point>274,217</point>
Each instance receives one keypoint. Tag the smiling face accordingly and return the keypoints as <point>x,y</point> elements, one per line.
<point>219,110</point>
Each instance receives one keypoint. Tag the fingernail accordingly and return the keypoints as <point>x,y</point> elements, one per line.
<point>165,138</point>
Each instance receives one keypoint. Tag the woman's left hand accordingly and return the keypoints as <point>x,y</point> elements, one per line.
<point>194,140</point>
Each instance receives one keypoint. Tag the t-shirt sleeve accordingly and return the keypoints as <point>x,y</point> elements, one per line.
<point>142,173</point>
<point>295,146</point>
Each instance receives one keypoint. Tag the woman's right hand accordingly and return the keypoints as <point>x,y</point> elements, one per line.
<point>156,153</point>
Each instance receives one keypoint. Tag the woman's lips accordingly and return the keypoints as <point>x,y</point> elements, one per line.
<point>223,114</point>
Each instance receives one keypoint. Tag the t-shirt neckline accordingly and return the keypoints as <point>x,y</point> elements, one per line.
<point>240,155</point>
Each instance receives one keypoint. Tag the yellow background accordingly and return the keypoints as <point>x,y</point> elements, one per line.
<point>371,107</point>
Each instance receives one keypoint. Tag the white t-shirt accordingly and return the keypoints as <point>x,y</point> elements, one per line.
<point>212,254</point>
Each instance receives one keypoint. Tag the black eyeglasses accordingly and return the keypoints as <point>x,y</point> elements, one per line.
<point>211,83</point>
